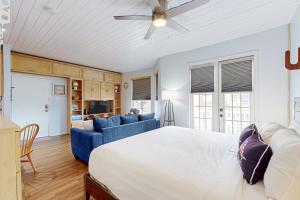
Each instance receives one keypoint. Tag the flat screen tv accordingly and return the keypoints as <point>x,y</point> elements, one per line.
<point>97,107</point>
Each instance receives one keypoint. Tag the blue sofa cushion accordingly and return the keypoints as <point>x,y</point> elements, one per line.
<point>114,121</point>
<point>100,123</point>
<point>129,119</point>
<point>143,117</point>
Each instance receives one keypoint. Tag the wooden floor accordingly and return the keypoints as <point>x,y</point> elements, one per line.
<point>59,175</point>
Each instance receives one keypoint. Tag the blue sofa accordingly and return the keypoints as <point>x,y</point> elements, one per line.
<point>84,141</point>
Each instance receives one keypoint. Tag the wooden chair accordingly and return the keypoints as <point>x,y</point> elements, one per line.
<point>28,134</point>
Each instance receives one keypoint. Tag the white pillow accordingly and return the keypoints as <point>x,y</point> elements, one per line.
<point>296,126</point>
<point>267,130</point>
<point>88,125</point>
<point>282,177</point>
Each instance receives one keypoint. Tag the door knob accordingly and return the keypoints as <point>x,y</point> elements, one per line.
<point>46,108</point>
<point>221,109</point>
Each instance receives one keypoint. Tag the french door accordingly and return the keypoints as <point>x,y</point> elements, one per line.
<point>221,98</point>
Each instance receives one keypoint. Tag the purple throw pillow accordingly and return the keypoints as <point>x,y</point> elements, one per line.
<point>246,132</point>
<point>254,158</point>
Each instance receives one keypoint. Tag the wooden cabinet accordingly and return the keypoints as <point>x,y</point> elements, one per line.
<point>107,91</point>
<point>10,172</point>
<point>28,64</point>
<point>90,74</point>
<point>112,77</point>
<point>91,90</point>
<point>66,70</point>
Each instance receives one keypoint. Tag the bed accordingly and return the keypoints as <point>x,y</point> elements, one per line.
<point>170,163</point>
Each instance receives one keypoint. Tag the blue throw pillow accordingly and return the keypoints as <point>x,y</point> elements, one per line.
<point>129,119</point>
<point>99,124</point>
<point>246,132</point>
<point>114,121</point>
<point>254,158</point>
<point>143,117</point>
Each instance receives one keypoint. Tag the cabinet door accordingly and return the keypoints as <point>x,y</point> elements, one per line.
<point>90,74</point>
<point>8,186</point>
<point>107,91</point>
<point>30,65</point>
<point>88,90</point>
<point>91,90</point>
<point>96,90</point>
<point>66,70</point>
<point>112,77</point>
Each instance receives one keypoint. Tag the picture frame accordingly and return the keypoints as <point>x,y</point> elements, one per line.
<point>59,90</point>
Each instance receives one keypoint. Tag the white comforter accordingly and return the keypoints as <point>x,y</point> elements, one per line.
<point>173,163</point>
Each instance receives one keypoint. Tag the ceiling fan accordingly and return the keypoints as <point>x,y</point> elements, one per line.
<point>162,16</point>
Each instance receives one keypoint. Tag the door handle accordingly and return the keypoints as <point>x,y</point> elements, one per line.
<point>46,108</point>
<point>221,109</point>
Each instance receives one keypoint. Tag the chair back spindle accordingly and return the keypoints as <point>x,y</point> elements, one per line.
<point>28,134</point>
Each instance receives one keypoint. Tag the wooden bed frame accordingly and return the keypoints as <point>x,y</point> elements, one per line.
<point>96,190</point>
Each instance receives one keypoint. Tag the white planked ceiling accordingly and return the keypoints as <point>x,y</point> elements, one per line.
<point>84,31</point>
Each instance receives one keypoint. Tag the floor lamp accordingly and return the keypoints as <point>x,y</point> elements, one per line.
<point>169,118</point>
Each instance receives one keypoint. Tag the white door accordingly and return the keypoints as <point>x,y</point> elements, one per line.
<point>30,97</point>
<point>228,108</point>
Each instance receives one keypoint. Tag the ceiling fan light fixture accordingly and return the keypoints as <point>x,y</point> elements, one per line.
<point>159,21</point>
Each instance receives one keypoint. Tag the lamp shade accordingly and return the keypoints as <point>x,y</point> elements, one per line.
<point>169,95</point>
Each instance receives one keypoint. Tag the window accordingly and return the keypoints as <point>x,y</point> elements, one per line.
<point>202,111</point>
<point>141,94</point>
<point>144,106</point>
<point>202,89</point>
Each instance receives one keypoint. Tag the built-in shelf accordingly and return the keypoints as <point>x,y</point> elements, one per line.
<point>76,98</point>
<point>117,99</point>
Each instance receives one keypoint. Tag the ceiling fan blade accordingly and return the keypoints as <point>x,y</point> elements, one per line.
<point>133,17</point>
<point>185,7</point>
<point>174,25</point>
<point>154,3</point>
<point>149,32</point>
<point>163,4</point>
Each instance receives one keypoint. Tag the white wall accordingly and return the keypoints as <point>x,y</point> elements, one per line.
<point>271,77</point>
<point>57,105</point>
<point>295,43</point>
<point>7,81</point>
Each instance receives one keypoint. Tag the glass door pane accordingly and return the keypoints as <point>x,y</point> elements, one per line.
<point>237,111</point>
<point>202,111</point>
